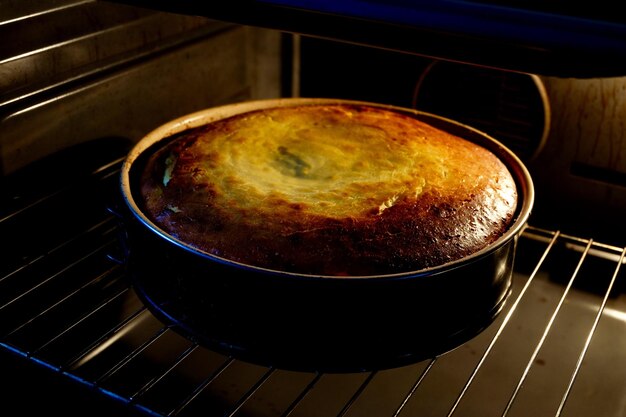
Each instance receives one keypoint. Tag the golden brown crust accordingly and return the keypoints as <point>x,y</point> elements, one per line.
<point>329,189</point>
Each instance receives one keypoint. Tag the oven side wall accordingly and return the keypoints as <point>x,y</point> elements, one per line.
<point>121,75</point>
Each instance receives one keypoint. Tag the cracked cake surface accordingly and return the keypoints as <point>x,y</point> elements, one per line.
<point>328,189</point>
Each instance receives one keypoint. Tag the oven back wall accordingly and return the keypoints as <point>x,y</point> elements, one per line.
<point>72,71</point>
<point>569,132</point>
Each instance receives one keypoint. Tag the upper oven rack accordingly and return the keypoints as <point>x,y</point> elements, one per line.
<point>67,307</point>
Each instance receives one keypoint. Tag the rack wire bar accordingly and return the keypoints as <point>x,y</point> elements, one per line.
<point>125,360</point>
<point>46,281</point>
<point>245,397</point>
<point>502,326</point>
<point>302,395</point>
<point>202,383</point>
<point>547,329</point>
<point>356,395</point>
<point>155,380</point>
<point>29,262</point>
<point>592,332</point>
<point>417,383</point>
<point>74,361</point>
<point>180,407</point>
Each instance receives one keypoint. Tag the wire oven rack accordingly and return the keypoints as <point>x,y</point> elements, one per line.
<point>67,306</point>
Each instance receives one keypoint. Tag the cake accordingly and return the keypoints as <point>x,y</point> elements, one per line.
<point>333,189</point>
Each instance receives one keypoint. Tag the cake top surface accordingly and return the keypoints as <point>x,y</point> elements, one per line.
<point>362,173</point>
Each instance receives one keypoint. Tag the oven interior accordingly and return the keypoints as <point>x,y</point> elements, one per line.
<point>83,80</point>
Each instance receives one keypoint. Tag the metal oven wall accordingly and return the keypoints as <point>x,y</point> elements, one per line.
<point>568,131</point>
<point>71,71</point>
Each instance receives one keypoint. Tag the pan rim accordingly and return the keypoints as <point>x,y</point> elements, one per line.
<point>520,173</point>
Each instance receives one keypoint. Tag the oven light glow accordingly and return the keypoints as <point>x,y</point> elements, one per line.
<point>615,314</point>
<point>105,345</point>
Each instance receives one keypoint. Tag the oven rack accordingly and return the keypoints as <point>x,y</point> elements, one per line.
<point>66,306</point>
